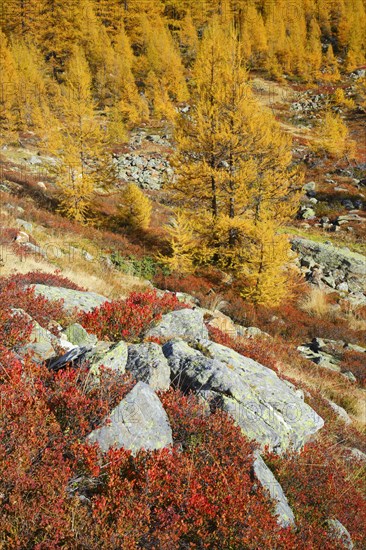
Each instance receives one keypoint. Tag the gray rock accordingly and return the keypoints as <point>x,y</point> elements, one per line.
<point>338,263</point>
<point>84,301</point>
<point>268,481</point>
<point>266,409</point>
<point>356,454</point>
<point>138,422</point>
<point>307,214</point>
<point>350,376</point>
<point>338,531</point>
<point>114,358</point>
<point>340,412</point>
<point>187,324</point>
<point>25,225</point>
<point>147,363</point>
<point>77,335</point>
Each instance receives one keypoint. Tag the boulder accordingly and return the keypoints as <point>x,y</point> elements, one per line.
<point>187,324</point>
<point>147,363</point>
<point>83,301</point>
<point>270,484</point>
<point>266,408</point>
<point>138,422</point>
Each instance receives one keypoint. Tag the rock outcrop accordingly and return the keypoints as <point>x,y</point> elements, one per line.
<point>147,363</point>
<point>266,408</point>
<point>187,324</point>
<point>83,301</point>
<point>325,264</point>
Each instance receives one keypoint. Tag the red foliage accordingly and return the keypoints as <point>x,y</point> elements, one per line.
<point>14,295</point>
<point>15,329</point>
<point>319,487</point>
<point>129,319</point>
<point>200,494</point>
<point>356,363</point>
<point>191,284</point>
<point>49,279</point>
<point>288,321</point>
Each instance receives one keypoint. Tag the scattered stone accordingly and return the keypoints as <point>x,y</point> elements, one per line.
<point>338,531</point>
<point>340,412</point>
<point>34,249</point>
<point>351,377</point>
<point>41,342</point>
<point>114,358</point>
<point>268,481</point>
<point>77,335</point>
<point>22,237</point>
<point>138,422</point>
<point>25,225</point>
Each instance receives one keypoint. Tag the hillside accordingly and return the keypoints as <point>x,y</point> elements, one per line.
<point>182,274</point>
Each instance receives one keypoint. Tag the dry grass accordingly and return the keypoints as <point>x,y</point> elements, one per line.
<point>332,385</point>
<point>93,276</point>
<point>316,303</point>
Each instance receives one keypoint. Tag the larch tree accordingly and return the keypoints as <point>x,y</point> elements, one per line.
<point>9,82</point>
<point>183,244</point>
<point>135,209</point>
<point>126,97</point>
<point>233,161</point>
<point>32,96</point>
<point>80,144</point>
<point>162,68</point>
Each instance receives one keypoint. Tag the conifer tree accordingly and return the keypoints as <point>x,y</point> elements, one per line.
<point>162,67</point>
<point>80,144</point>
<point>8,87</point>
<point>136,208</point>
<point>32,88</point>
<point>130,103</point>
<point>233,161</point>
<point>265,256</point>
<point>182,242</point>
<point>333,137</point>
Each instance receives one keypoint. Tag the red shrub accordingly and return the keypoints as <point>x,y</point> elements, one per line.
<point>15,329</point>
<point>319,488</point>
<point>49,279</point>
<point>191,284</point>
<point>14,295</point>
<point>129,319</point>
<point>356,363</point>
<point>200,494</point>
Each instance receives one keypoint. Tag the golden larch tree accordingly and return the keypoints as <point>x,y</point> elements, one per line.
<point>233,162</point>
<point>135,209</point>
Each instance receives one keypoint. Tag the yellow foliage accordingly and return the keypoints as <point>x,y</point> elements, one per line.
<point>265,257</point>
<point>340,99</point>
<point>183,244</point>
<point>136,207</point>
<point>333,137</point>
<point>233,161</point>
